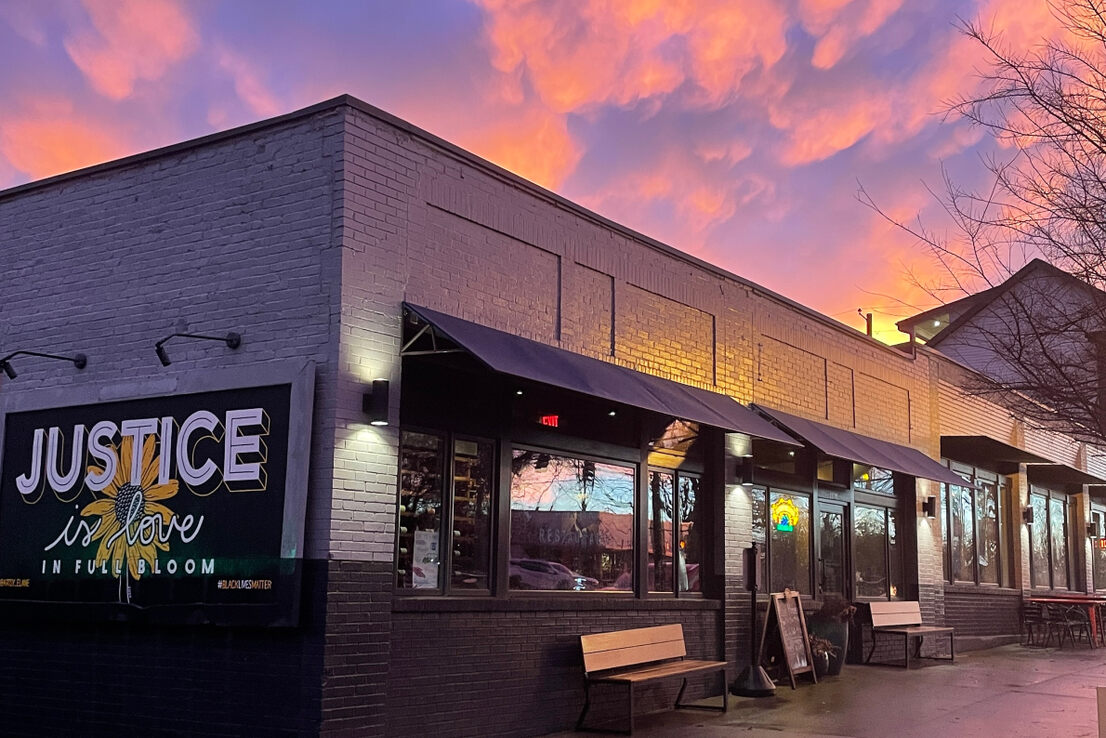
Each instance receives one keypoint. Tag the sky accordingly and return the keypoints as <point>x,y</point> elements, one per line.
<point>738,131</point>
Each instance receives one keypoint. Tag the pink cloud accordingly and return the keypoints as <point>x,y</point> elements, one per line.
<point>248,84</point>
<point>130,40</point>
<point>48,137</point>
<point>593,52</point>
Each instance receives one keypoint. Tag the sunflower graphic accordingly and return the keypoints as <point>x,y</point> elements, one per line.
<point>125,501</point>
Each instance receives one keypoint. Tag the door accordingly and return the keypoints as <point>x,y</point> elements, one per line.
<point>831,549</point>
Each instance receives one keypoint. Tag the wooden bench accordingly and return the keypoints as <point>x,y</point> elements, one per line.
<point>905,619</point>
<point>638,656</point>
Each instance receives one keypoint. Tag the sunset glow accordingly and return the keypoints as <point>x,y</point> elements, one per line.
<point>738,132</point>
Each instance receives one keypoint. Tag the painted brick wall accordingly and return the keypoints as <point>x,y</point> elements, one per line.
<point>520,672</point>
<point>233,235</point>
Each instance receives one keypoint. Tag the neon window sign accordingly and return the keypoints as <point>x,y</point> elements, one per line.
<point>785,513</point>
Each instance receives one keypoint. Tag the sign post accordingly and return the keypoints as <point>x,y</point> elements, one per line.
<point>753,681</point>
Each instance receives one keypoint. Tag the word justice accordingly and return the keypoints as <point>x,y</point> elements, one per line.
<point>177,443</point>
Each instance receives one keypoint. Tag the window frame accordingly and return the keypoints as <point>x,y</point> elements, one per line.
<point>972,475</point>
<point>446,516</point>
<point>677,530</point>
<point>889,511</point>
<point>1069,553</point>
<point>766,539</point>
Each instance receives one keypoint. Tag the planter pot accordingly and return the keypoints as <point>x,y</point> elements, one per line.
<point>837,634</point>
<point>822,664</point>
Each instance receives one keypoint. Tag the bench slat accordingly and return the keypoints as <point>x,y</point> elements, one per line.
<point>632,637</point>
<point>662,671</point>
<point>620,657</point>
<point>895,613</point>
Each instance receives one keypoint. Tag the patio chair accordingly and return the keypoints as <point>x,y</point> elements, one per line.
<point>1068,620</point>
<point>1035,626</point>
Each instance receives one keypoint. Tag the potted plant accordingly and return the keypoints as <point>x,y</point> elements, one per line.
<point>831,622</point>
<point>823,652</point>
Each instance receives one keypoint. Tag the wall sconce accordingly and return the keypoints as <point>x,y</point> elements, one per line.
<point>929,507</point>
<point>745,472</point>
<point>375,403</point>
<point>1027,515</point>
<point>232,340</point>
<point>80,361</point>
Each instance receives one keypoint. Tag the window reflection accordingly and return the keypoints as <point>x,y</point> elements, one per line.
<point>572,523</point>
<point>420,504</point>
<point>473,471</point>
<point>870,552</point>
<point>789,542</point>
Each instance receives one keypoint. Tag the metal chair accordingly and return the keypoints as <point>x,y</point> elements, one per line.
<point>1034,624</point>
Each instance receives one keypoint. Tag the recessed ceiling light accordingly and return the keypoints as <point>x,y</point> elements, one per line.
<point>612,413</point>
<point>518,392</point>
<point>936,324</point>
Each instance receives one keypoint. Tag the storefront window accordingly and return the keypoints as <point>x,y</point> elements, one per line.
<point>1039,537</point>
<point>420,506</point>
<point>784,525</point>
<point>473,471</point>
<point>971,528</point>
<point>873,479</point>
<point>1049,538</point>
<point>660,531</point>
<point>666,536</point>
<point>427,540</point>
<point>1058,535</point>
<point>870,552</point>
<point>1098,547</point>
<point>691,535</point>
<point>572,523</point>
<point>986,505</point>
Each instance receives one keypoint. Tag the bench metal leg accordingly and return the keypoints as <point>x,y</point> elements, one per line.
<point>587,706</point>
<point>718,708</point>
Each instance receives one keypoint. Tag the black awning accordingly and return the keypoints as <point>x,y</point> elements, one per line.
<point>521,357</point>
<point>987,452</point>
<point>1048,474</point>
<point>845,444</point>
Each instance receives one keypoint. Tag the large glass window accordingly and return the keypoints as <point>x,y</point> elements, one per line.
<point>877,554</point>
<point>444,525</point>
<point>674,547</point>
<point>1049,537</point>
<point>971,528</point>
<point>1098,546</point>
<point>572,523</point>
<point>421,477</point>
<point>781,520</point>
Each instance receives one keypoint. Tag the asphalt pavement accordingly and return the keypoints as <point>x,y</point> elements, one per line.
<point>1007,691</point>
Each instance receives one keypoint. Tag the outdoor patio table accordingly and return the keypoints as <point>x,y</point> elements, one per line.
<point>1090,603</point>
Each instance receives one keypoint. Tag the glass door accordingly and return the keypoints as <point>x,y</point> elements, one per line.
<point>831,549</point>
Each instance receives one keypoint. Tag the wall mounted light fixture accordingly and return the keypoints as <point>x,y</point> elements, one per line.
<point>375,403</point>
<point>745,471</point>
<point>80,361</point>
<point>1027,515</point>
<point>232,340</point>
<point>929,507</point>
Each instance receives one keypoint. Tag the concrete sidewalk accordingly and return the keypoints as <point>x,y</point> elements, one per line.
<point>1007,691</point>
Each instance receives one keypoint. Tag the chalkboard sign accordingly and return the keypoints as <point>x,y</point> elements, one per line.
<point>785,620</point>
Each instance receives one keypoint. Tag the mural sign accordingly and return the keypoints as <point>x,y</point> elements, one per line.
<point>171,505</point>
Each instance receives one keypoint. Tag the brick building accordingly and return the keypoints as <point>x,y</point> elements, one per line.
<point>565,446</point>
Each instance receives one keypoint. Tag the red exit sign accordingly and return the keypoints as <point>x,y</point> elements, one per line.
<point>551,420</point>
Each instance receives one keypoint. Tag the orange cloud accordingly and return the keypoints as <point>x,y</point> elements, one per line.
<point>819,128</point>
<point>130,40</point>
<point>50,139</point>
<point>534,144</point>
<point>582,54</point>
